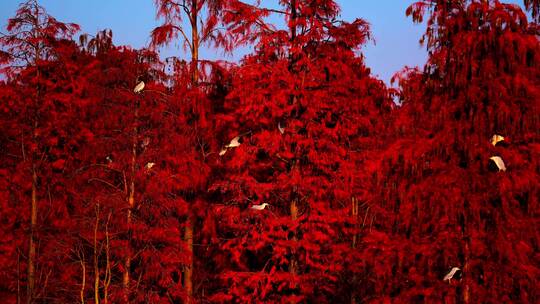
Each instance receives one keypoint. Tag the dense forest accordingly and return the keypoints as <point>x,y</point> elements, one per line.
<point>291,176</point>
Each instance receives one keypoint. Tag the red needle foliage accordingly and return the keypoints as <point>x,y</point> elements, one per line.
<point>373,194</point>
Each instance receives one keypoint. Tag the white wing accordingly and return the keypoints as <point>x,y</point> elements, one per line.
<point>499,162</point>
<point>495,139</point>
<point>234,143</point>
<point>139,87</point>
<point>223,151</point>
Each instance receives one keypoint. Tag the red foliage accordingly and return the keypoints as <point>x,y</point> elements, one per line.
<point>119,196</point>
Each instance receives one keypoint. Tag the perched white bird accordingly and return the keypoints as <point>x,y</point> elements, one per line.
<point>448,277</point>
<point>234,143</point>
<point>280,128</point>
<point>260,207</point>
<point>139,87</point>
<point>498,162</point>
<point>149,166</point>
<point>495,139</point>
<point>109,159</point>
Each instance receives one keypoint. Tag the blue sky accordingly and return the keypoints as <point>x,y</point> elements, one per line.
<point>396,37</point>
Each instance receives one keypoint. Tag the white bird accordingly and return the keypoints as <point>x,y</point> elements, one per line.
<point>139,87</point>
<point>109,159</point>
<point>260,207</point>
<point>495,139</point>
<point>149,166</point>
<point>234,143</point>
<point>498,162</point>
<point>281,130</point>
<point>223,151</point>
<point>448,277</point>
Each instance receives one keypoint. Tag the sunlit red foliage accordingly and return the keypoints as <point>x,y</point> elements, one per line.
<point>374,194</point>
<point>439,204</point>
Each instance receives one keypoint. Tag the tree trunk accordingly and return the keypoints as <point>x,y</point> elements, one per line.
<point>294,216</point>
<point>188,273</point>
<point>83,283</point>
<point>108,273</point>
<point>32,245</point>
<point>34,201</point>
<point>131,204</point>
<point>194,43</point>
<point>354,214</point>
<point>188,233</point>
<point>465,272</point>
<point>96,259</point>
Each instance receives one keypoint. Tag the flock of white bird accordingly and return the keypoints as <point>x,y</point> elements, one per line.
<point>498,161</point>
<point>235,142</point>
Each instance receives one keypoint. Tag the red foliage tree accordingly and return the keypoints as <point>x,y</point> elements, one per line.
<point>440,206</point>
<point>298,107</point>
<point>33,132</point>
<point>191,95</point>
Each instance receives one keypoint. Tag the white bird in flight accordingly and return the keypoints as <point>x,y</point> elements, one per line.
<point>495,139</point>
<point>260,207</point>
<point>139,87</point>
<point>448,277</point>
<point>234,143</point>
<point>498,162</point>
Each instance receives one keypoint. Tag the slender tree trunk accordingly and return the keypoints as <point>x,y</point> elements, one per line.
<point>83,283</point>
<point>131,203</point>
<point>188,233</point>
<point>18,277</point>
<point>32,245</point>
<point>96,258</point>
<point>293,267</point>
<point>465,272</point>
<point>354,214</point>
<point>108,273</point>
<point>34,201</point>
<point>194,43</point>
<point>188,274</point>
<point>294,217</point>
